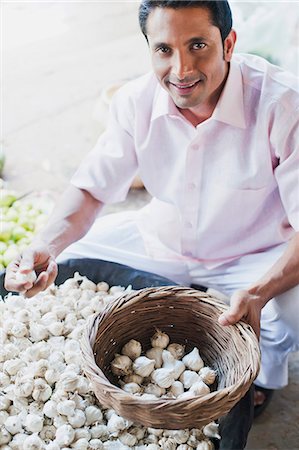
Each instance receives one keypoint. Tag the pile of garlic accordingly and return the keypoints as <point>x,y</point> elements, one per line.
<point>46,402</point>
<point>163,371</point>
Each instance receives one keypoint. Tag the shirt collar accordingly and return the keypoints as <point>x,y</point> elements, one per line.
<point>230,106</point>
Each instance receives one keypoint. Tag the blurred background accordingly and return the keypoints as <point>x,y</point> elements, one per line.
<point>61,62</point>
<point>59,57</point>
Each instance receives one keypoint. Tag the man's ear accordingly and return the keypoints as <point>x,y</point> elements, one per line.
<point>229,44</point>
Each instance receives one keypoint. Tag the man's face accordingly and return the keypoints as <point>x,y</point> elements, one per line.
<point>188,56</point>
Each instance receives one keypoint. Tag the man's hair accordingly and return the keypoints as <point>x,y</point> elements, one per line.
<point>219,10</point>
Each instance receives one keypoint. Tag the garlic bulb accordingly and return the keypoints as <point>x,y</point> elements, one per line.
<point>4,403</point>
<point>96,444</point>
<point>33,442</point>
<point>188,378</point>
<point>177,388</point>
<point>207,375</point>
<point>156,354</point>
<point>160,339</point>
<point>121,365</point>
<point>205,445</point>
<point>131,388</point>
<point>34,423</point>
<point>154,389</point>
<point>177,350</point>
<point>93,414</point>
<point>48,433</point>
<point>170,362</point>
<point>41,390</point>
<point>81,444</point>
<point>133,378</point>
<point>66,407</point>
<point>29,277</point>
<point>193,360</point>
<point>132,349</point>
<point>143,366</point>
<point>179,436</point>
<point>199,388</point>
<point>5,436</point>
<point>116,424</point>
<point>127,439</point>
<point>65,435</point>
<point>163,377</point>
<point>13,424</point>
<point>211,430</point>
<point>77,419</point>
<point>50,409</point>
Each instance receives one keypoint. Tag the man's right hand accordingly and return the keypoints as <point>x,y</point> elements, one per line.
<point>38,258</point>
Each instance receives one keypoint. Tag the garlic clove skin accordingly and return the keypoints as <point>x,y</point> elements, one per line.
<point>193,360</point>
<point>143,366</point>
<point>205,445</point>
<point>13,424</point>
<point>163,377</point>
<point>211,430</point>
<point>160,339</point>
<point>66,407</point>
<point>65,435</point>
<point>132,349</point>
<point>133,378</point>
<point>207,375</point>
<point>199,388</point>
<point>188,378</point>
<point>33,442</point>
<point>116,424</point>
<point>154,389</point>
<point>29,277</point>
<point>121,365</point>
<point>177,350</point>
<point>93,414</point>
<point>131,388</point>
<point>177,388</point>
<point>77,420</point>
<point>156,354</point>
<point>34,423</point>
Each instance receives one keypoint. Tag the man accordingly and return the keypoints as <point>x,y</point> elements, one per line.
<point>212,135</point>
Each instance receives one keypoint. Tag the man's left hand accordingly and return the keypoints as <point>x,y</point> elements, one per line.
<point>243,306</point>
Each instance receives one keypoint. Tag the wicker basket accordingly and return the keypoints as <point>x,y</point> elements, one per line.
<point>189,317</point>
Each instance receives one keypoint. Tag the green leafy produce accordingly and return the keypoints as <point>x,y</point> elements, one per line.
<point>20,220</point>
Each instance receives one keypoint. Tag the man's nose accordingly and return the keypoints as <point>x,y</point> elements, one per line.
<point>182,65</point>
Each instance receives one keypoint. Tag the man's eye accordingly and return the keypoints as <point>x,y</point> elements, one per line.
<point>198,45</point>
<point>163,49</point>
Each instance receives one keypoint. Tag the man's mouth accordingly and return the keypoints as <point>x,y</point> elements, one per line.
<point>185,88</point>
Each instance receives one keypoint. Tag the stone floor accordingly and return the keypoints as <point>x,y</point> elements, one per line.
<point>58,58</point>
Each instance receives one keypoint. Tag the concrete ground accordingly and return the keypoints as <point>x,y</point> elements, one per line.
<point>58,58</point>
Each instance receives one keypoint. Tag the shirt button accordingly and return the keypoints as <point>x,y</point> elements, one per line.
<point>188,225</point>
<point>191,186</point>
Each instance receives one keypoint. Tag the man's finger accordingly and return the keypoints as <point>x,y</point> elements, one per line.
<point>39,285</point>
<point>44,280</point>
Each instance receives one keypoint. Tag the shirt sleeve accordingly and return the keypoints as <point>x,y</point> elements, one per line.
<point>110,167</point>
<point>287,171</point>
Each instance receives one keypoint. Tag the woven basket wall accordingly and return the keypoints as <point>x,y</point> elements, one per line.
<point>189,317</point>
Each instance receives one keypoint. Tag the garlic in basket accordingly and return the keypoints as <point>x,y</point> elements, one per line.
<point>160,339</point>
<point>143,366</point>
<point>132,349</point>
<point>121,365</point>
<point>193,360</point>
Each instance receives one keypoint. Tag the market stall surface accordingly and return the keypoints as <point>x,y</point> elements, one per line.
<point>58,58</point>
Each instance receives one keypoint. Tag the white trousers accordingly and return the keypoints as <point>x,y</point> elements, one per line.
<point>116,238</point>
